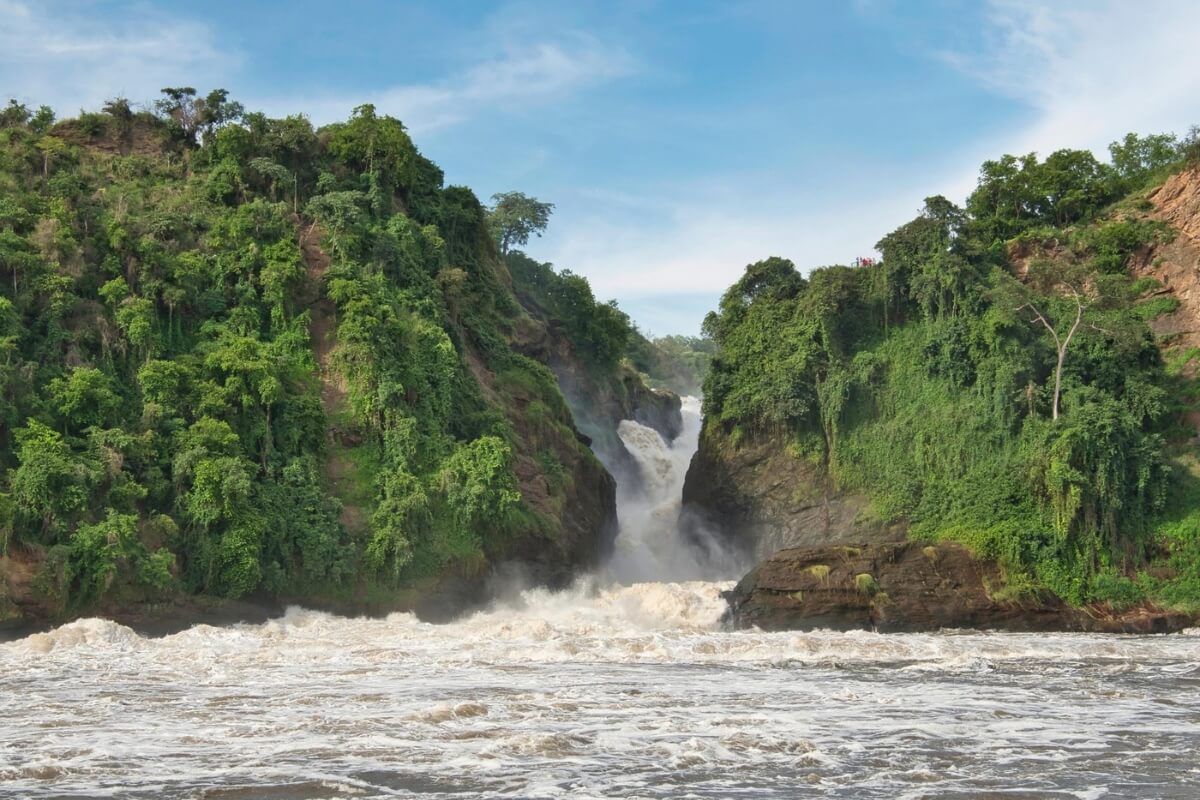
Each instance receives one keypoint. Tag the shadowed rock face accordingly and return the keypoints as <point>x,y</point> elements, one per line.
<point>761,498</point>
<point>910,587</point>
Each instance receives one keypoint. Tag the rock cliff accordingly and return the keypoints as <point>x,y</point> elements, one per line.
<point>912,587</point>
<point>762,498</point>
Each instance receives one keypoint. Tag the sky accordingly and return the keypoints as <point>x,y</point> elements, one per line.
<point>679,141</point>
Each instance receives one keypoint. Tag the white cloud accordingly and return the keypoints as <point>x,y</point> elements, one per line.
<point>1088,72</point>
<point>70,59</point>
<point>520,77</point>
<point>1092,70</point>
<point>705,238</point>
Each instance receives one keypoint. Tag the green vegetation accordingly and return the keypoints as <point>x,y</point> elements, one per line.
<point>992,380</point>
<point>515,217</point>
<point>602,334</point>
<point>599,332</point>
<point>243,355</point>
<point>677,362</point>
<point>865,583</point>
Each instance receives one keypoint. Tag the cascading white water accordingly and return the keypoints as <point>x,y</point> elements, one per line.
<point>650,546</point>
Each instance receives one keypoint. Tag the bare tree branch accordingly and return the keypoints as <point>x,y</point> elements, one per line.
<point>1039,316</point>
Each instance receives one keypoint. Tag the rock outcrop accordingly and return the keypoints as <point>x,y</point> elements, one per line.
<point>1175,264</point>
<point>762,498</point>
<point>599,399</point>
<point>911,587</point>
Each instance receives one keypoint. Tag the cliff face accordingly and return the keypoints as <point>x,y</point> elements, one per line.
<point>762,498</point>
<point>598,398</point>
<point>576,503</point>
<point>598,407</point>
<point>1176,264</point>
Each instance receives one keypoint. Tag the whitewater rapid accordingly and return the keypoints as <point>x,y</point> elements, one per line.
<point>629,691</point>
<point>615,688</point>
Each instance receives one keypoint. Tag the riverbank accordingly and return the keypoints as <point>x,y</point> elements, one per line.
<point>908,587</point>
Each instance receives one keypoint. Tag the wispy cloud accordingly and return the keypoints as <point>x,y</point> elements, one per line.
<point>58,54</point>
<point>1086,71</point>
<point>72,57</point>
<point>700,240</point>
<point>519,77</point>
<point>1091,70</point>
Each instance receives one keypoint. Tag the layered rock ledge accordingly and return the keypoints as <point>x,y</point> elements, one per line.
<point>912,587</point>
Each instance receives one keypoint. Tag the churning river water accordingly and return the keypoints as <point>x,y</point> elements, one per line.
<point>612,689</point>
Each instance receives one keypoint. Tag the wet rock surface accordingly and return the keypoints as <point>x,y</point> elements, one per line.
<point>911,587</point>
<point>762,498</point>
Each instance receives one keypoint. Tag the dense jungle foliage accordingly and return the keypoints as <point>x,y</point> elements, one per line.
<point>241,354</point>
<point>992,379</point>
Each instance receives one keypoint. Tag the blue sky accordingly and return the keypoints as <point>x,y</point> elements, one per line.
<point>679,140</point>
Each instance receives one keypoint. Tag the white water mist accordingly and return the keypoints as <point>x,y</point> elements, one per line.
<point>650,545</point>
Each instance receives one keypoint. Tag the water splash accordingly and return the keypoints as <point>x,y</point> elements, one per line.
<point>617,691</point>
<point>650,545</point>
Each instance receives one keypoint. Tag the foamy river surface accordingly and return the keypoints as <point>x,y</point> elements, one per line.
<point>624,692</point>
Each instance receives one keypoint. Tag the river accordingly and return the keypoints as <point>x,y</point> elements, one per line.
<point>621,687</point>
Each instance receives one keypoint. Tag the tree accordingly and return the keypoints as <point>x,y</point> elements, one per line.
<point>122,113</point>
<point>42,119</point>
<point>920,261</point>
<point>86,396</point>
<point>514,217</point>
<point>1071,185</point>
<point>51,482</point>
<point>1015,194</point>
<point>14,115</point>
<point>1189,148</point>
<point>380,148</point>
<point>1061,340</point>
<point>17,256</point>
<point>215,110</point>
<point>773,278</point>
<point>193,115</point>
<point>1003,201</point>
<point>179,106</point>
<point>1068,294</point>
<point>277,174</point>
<point>52,147</point>
<point>1135,157</point>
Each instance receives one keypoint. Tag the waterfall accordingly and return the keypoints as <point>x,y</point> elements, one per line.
<point>650,545</point>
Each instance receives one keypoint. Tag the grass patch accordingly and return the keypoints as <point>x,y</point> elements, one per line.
<point>1156,307</point>
<point>819,571</point>
<point>865,583</point>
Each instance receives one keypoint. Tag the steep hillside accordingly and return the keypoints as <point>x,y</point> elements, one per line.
<point>588,345</point>
<point>249,359</point>
<point>1174,264</point>
<point>1016,376</point>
